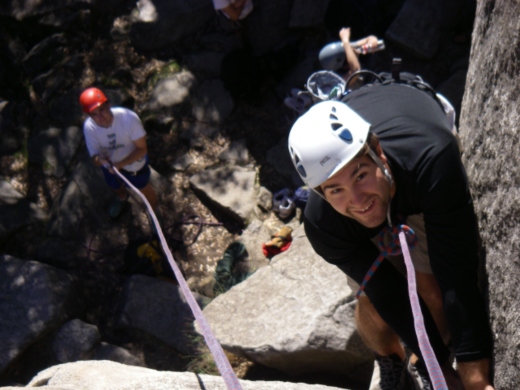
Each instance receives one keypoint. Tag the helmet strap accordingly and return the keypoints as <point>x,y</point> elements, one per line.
<point>388,177</point>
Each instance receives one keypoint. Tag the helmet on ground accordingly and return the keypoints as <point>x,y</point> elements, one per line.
<point>332,56</point>
<point>91,98</point>
<point>325,139</point>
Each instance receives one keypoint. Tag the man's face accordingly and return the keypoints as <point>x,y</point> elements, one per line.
<point>102,115</point>
<point>360,191</point>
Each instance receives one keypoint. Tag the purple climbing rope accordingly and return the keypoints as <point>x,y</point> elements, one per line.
<point>403,238</point>
<point>223,365</point>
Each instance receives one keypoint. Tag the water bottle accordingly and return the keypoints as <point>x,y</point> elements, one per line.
<point>367,49</point>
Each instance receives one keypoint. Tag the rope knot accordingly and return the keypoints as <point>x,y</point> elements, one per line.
<point>394,246</point>
<point>392,249</point>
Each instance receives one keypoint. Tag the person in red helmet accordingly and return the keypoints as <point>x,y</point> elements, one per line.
<point>115,138</point>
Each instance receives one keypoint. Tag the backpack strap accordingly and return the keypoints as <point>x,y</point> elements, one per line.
<point>396,77</point>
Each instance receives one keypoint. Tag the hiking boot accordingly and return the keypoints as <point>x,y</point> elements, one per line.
<point>420,376</point>
<point>390,374</point>
<point>117,207</point>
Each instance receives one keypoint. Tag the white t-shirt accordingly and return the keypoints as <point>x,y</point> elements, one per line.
<point>221,4</point>
<point>117,141</point>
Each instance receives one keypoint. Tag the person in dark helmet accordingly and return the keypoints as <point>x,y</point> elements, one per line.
<point>382,156</point>
<point>115,138</point>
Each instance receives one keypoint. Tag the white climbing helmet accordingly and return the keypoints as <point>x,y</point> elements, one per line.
<point>332,56</point>
<point>325,139</point>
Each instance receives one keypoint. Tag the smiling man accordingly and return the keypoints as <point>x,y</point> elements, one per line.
<point>116,138</point>
<point>386,155</point>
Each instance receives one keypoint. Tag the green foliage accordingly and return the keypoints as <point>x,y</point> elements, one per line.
<point>203,362</point>
<point>169,69</point>
<point>22,156</point>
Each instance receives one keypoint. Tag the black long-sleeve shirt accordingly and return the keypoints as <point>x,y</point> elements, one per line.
<point>430,179</point>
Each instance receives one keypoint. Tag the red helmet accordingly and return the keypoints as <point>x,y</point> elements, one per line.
<point>91,98</point>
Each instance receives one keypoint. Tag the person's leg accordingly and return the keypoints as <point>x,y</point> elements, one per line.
<point>121,193</point>
<point>475,375</point>
<point>149,193</point>
<point>375,332</point>
<point>429,290</point>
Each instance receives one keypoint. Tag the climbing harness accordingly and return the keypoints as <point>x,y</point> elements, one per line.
<point>403,238</point>
<point>223,365</point>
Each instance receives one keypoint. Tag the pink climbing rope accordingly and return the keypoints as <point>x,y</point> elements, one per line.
<point>400,245</point>
<point>223,365</point>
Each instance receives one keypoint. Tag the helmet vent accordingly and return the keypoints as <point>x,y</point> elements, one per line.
<point>334,117</point>
<point>346,135</point>
<point>336,126</point>
<point>333,109</point>
<point>301,171</point>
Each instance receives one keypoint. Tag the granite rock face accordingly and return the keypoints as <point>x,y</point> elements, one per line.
<point>490,125</point>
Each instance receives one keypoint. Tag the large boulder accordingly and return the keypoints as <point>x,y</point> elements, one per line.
<point>296,315</point>
<point>114,376</point>
<point>158,308</point>
<point>35,300</point>
<point>231,190</point>
<point>490,132</point>
<point>16,211</point>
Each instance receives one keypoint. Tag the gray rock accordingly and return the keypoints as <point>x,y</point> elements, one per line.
<point>306,303</point>
<point>163,22</point>
<point>207,62</point>
<point>418,18</point>
<point>108,375</point>
<point>24,10</point>
<point>264,199</point>
<point>76,340</point>
<point>38,299</point>
<point>490,135</point>
<point>117,354</point>
<point>82,201</point>
<point>16,211</point>
<point>11,136</point>
<point>183,162</point>
<point>253,237</point>
<point>307,13</point>
<point>54,148</point>
<point>278,156</point>
<point>8,194</point>
<point>212,103</point>
<point>232,189</point>
<point>267,25</point>
<point>171,91</point>
<point>199,130</point>
<point>49,51</point>
<point>158,308</point>
<point>236,153</point>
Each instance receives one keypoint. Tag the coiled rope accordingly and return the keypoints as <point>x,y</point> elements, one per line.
<point>223,365</point>
<point>403,238</point>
